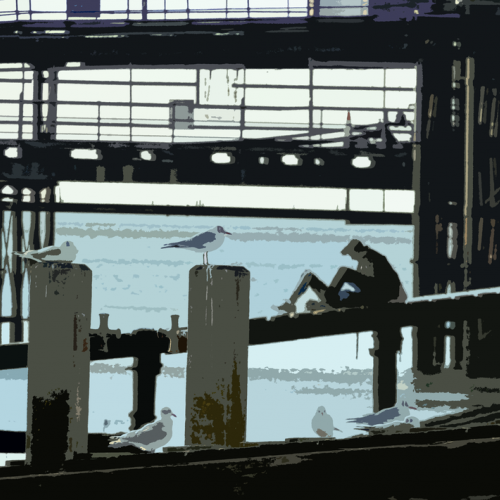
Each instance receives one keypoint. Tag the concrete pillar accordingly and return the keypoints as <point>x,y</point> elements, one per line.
<point>58,363</point>
<point>217,366</point>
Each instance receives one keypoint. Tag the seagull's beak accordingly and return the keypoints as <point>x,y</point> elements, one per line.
<point>412,407</point>
<point>174,415</point>
<point>226,232</point>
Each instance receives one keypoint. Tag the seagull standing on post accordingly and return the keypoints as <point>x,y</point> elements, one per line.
<point>203,242</point>
<point>64,253</point>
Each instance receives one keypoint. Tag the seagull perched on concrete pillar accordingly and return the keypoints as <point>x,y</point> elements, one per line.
<point>64,253</point>
<point>203,242</point>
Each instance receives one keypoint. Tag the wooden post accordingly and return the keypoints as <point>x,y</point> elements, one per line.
<point>386,343</point>
<point>217,368</point>
<point>58,363</point>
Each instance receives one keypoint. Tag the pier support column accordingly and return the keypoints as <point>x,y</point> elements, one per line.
<point>147,366</point>
<point>58,363</point>
<point>217,367</point>
<point>386,344</point>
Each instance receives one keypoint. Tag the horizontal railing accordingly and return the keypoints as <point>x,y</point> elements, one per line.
<point>421,310</point>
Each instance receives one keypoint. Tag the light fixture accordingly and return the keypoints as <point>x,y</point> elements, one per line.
<point>14,152</point>
<point>362,162</point>
<point>147,155</point>
<point>291,160</point>
<point>222,158</point>
<point>86,154</point>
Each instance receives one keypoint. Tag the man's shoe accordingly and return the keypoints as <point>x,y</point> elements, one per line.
<point>286,307</point>
<point>314,306</point>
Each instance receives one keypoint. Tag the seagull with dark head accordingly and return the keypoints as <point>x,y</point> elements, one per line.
<point>390,416</point>
<point>150,436</point>
<point>203,242</point>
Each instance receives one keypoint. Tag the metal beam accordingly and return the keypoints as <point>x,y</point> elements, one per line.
<point>350,216</point>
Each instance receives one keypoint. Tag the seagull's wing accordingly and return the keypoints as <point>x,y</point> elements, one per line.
<point>321,433</point>
<point>150,433</point>
<point>198,241</point>
<point>45,252</point>
<point>377,418</point>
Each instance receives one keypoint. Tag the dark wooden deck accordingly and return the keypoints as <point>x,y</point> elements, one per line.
<point>423,463</point>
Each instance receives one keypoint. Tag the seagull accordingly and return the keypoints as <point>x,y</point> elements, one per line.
<point>64,253</point>
<point>203,242</point>
<point>150,436</point>
<point>394,415</point>
<point>322,423</point>
<point>413,421</point>
<point>393,426</point>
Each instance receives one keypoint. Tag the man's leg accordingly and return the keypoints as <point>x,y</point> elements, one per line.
<point>345,275</point>
<point>308,279</point>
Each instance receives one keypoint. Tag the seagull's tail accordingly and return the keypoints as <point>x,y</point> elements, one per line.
<point>117,444</point>
<point>355,420</point>
<point>171,245</point>
<point>18,253</point>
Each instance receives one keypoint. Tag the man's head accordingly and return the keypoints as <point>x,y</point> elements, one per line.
<point>354,249</point>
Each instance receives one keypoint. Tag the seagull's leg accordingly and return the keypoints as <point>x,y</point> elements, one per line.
<point>205,258</point>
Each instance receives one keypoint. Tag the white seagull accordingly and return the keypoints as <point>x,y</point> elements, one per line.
<point>394,426</point>
<point>322,423</point>
<point>390,416</point>
<point>64,253</point>
<point>150,436</point>
<point>203,242</point>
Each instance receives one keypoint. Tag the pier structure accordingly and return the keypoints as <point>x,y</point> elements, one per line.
<point>450,162</point>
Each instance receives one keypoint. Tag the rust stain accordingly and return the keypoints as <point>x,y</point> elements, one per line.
<point>85,345</point>
<point>207,421</point>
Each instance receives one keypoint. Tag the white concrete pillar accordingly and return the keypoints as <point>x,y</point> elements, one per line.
<point>217,366</point>
<point>58,363</point>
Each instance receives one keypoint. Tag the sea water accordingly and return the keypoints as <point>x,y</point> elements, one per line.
<point>140,285</point>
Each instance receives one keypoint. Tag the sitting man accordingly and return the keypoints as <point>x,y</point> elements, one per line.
<point>374,282</point>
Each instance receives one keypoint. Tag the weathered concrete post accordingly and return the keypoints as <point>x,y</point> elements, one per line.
<point>58,363</point>
<point>386,344</point>
<point>217,367</point>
